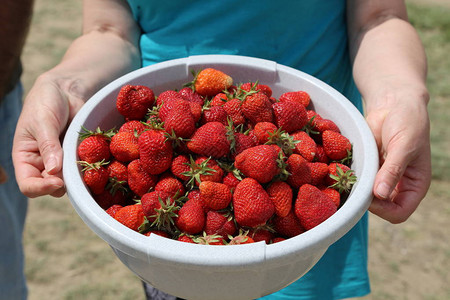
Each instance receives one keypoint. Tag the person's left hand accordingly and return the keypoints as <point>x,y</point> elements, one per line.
<point>401,128</point>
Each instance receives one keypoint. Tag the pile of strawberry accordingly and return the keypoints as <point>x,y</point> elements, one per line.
<point>216,163</point>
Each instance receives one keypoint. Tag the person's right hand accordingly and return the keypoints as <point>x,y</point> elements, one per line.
<point>37,153</point>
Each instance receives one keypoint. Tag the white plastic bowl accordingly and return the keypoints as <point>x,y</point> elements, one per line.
<point>222,272</point>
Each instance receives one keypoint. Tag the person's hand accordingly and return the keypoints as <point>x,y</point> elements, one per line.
<point>37,153</point>
<point>401,128</point>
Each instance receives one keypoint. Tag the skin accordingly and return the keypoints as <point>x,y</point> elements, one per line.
<point>389,69</point>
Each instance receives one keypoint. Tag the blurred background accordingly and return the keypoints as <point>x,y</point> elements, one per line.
<point>66,260</point>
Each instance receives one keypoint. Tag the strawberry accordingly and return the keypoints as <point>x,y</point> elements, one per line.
<point>312,206</point>
<point>277,239</point>
<point>301,97</point>
<point>240,142</point>
<point>95,176</point>
<point>336,145</point>
<point>251,203</point>
<point>215,195</point>
<point>203,169</point>
<point>333,194</point>
<point>254,86</point>
<point>156,151</point>
<point>230,180</point>
<point>94,146</point>
<point>118,171</point>
<point>170,184</point>
<point>241,238</point>
<point>190,95</point>
<point>299,172</point>
<point>179,166</point>
<point>139,181</point>
<point>159,208</point>
<point>124,146</point>
<point>289,116</point>
<point>263,233</point>
<point>259,162</point>
<point>219,99</point>
<point>107,198</point>
<point>340,177</point>
<point>158,232</point>
<point>214,114</point>
<point>131,216</point>
<point>319,171</point>
<point>134,101</point>
<point>305,145</point>
<point>320,125</point>
<point>210,140</point>
<point>289,225</point>
<point>191,217</point>
<point>280,193</point>
<point>179,119</point>
<point>320,155</point>
<point>207,239</point>
<point>210,81</point>
<point>263,131</point>
<point>167,96</point>
<point>234,111</point>
<point>219,223</point>
<point>133,126</point>
<point>257,107</point>
<point>185,238</point>
<point>113,209</point>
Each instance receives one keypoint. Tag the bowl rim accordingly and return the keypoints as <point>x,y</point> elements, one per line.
<point>136,244</point>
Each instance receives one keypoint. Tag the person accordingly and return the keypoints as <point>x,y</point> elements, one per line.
<point>365,49</point>
<point>15,17</point>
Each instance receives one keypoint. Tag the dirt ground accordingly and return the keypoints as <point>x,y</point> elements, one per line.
<point>66,260</point>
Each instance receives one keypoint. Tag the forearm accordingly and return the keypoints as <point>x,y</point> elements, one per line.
<point>389,57</point>
<point>15,17</point>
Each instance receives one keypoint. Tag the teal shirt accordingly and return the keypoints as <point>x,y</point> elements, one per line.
<point>308,35</point>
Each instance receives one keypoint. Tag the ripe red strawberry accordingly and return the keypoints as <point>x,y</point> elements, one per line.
<point>170,184</point>
<point>263,131</point>
<point>251,203</point>
<point>180,165</point>
<point>167,96</point>
<point>305,145</point>
<point>333,194</point>
<point>336,145</point>
<point>156,151</point>
<point>340,177</point>
<point>299,172</point>
<point>277,239</point>
<point>280,193</point>
<point>320,155</point>
<point>210,81</point>
<point>158,232</point>
<point>240,142</point>
<point>320,125</point>
<point>118,171</point>
<point>312,206</point>
<point>219,99</point>
<point>124,146</point>
<point>290,116</point>
<point>133,126</point>
<point>214,114</point>
<point>301,97</point>
<point>159,208</point>
<point>190,95</point>
<point>210,140</point>
<point>234,111</point>
<point>185,238</point>
<point>319,171</point>
<point>94,146</point>
<point>213,239</point>
<point>289,225</point>
<point>95,176</point>
<point>131,216</point>
<point>241,238</point>
<point>230,180</point>
<point>134,101</point>
<point>191,217</point>
<point>215,195</point>
<point>107,198</point>
<point>257,108</point>
<point>113,209</point>
<point>219,223</point>
<point>203,169</point>
<point>263,233</point>
<point>259,162</point>
<point>179,119</point>
<point>139,181</point>
<point>254,86</point>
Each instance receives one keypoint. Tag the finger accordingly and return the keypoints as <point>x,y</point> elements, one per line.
<point>50,149</point>
<point>398,210</point>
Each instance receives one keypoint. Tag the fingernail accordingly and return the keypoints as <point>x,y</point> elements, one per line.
<point>383,190</point>
<point>51,164</point>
